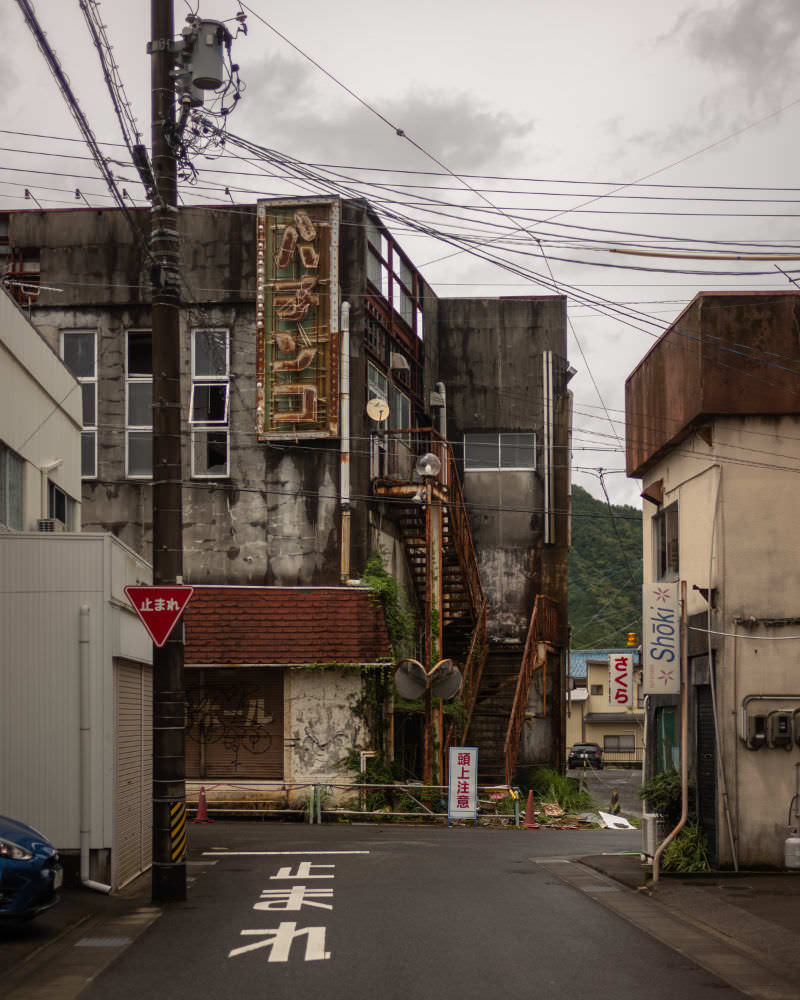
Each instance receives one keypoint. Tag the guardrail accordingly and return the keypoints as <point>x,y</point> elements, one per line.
<point>633,757</point>
<point>317,803</point>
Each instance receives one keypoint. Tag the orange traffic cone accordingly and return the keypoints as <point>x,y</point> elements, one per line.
<point>202,809</point>
<point>530,815</point>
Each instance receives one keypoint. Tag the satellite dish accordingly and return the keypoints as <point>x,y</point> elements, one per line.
<point>428,465</point>
<point>446,680</point>
<point>410,679</point>
<point>377,409</point>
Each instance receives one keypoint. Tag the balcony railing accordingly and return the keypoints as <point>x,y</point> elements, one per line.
<point>393,458</point>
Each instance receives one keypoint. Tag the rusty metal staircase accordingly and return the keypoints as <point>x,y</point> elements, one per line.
<point>499,711</point>
<point>463,609</point>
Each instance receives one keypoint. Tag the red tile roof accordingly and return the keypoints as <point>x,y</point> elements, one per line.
<point>232,625</point>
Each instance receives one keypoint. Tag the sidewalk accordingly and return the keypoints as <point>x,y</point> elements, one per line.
<point>753,914</point>
<point>57,954</point>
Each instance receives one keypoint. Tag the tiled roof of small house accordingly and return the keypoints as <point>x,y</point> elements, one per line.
<point>282,625</point>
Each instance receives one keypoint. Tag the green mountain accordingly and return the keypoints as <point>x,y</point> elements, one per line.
<point>605,572</point>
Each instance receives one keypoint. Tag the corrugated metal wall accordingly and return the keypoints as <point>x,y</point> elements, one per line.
<point>134,771</point>
<point>44,580</point>
<point>234,726</point>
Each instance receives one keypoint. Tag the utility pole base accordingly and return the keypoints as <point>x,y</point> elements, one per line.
<point>169,883</point>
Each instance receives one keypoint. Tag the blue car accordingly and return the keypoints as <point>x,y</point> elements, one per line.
<point>30,872</point>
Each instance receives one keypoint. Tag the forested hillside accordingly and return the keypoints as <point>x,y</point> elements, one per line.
<point>605,572</point>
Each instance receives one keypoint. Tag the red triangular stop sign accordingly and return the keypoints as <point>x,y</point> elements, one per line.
<point>159,608</point>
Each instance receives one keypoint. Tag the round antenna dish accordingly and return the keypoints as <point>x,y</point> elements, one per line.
<point>377,409</point>
<point>428,465</point>
<point>446,680</point>
<point>410,679</point>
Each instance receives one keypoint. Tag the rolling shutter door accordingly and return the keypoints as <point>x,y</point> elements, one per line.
<point>134,772</point>
<point>234,723</point>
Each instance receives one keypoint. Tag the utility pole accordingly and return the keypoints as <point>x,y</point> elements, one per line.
<point>169,786</point>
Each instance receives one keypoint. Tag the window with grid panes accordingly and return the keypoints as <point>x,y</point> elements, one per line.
<point>79,352</point>
<point>209,403</point>
<point>139,405</point>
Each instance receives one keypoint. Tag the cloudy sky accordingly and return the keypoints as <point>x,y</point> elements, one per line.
<point>541,136</point>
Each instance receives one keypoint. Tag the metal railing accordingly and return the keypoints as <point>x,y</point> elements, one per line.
<point>392,460</point>
<point>543,628</point>
<point>317,802</point>
<point>473,671</point>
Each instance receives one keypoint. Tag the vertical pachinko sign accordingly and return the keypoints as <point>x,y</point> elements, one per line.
<point>661,638</point>
<point>297,319</point>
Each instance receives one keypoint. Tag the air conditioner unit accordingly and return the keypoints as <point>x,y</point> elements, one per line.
<point>649,834</point>
<point>398,363</point>
<point>50,524</point>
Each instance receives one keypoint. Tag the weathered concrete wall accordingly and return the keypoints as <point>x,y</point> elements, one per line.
<point>726,353</point>
<point>490,358</point>
<point>320,725</point>
<point>276,519</point>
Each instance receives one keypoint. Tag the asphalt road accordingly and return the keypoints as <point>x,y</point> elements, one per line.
<point>400,912</point>
<point>600,784</point>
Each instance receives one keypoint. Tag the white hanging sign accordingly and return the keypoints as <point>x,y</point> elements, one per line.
<point>620,679</point>
<point>661,638</point>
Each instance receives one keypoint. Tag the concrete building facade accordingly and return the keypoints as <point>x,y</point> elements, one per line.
<point>281,454</point>
<point>713,431</point>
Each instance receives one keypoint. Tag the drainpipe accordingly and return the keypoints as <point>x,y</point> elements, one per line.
<point>684,738</point>
<point>441,388</point>
<point>45,470</point>
<point>85,751</point>
<point>344,418</point>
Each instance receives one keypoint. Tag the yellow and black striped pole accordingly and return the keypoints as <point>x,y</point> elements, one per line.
<point>177,832</point>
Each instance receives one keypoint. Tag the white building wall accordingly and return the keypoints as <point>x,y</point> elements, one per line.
<point>753,462</point>
<point>44,581</point>
<point>40,411</point>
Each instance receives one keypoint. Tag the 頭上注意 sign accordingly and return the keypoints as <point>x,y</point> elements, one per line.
<point>462,786</point>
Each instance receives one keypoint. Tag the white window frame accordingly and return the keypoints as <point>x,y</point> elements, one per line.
<point>376,378</point>
<point>86,429</point>
<point>136,379</point>
<point>498,466</point>
<point>216,427</point>
<point>665,546</point>
<point>10,460</point>
<point>53,491</point>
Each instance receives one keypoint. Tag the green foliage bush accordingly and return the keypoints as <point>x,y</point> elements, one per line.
<point>687,852</point>
<point>663,795</point>
<point>548,785</point>
<point>400,621</point>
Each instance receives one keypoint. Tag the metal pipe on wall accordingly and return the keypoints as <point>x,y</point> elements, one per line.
<point>684,739</point>
<point>712,675</point>
<point>85,770</point>
<point>344,423</point>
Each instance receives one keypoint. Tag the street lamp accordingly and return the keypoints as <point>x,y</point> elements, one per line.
<point>428,468</point>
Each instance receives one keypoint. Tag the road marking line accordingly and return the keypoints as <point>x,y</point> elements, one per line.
<point>263,854</point>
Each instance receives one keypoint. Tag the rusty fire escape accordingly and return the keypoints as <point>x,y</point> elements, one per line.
<point>463,610</point>
<point>503,697</point>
